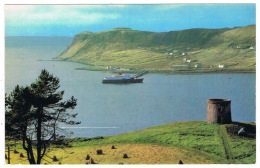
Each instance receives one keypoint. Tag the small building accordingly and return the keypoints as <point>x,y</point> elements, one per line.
<point>219,111</point>
<point>197,66</point>
<point>221,66</point>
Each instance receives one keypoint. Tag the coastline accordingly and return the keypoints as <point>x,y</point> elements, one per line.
<point>92,67</point>
<point>184,72</point>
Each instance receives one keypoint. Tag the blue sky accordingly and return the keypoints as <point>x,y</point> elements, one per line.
<point>68,20</point>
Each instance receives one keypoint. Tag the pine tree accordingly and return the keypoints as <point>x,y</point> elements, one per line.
<point>33,113</point>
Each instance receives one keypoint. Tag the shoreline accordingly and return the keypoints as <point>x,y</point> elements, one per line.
<point>181,72</point>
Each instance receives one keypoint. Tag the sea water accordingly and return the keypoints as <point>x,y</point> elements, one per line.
<point>110,109</point>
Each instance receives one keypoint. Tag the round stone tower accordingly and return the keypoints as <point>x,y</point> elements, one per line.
<point>219,111</point>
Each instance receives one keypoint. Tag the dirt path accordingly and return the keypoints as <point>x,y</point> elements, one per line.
<point>223,135</point>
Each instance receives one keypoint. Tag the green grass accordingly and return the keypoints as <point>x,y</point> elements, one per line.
<point>208,142</point>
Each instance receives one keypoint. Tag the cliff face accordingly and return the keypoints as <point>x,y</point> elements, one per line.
<point>127,47</point>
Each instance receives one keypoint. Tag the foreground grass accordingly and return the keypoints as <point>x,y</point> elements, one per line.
<point>194,142</point>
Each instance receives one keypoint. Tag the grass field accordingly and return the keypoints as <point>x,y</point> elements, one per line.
<point>195,142</point>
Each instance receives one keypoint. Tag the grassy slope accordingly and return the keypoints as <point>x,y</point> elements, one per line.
<point>147,50</point>
<point>195,142</point>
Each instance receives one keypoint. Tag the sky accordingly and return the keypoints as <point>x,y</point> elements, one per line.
<point>69,20</point>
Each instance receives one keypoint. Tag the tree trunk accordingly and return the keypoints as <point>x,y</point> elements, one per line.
<point>30,155</point>
<point>39,134</point>
<point>28,149</point>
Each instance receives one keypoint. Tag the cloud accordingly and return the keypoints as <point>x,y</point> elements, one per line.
<point>71,19</point>
<point>33,15</point>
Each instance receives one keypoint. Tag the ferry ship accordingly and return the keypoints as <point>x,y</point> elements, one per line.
<point>120,78</point>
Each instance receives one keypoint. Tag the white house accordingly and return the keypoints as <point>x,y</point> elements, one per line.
<point>197,66</point>
<point>221,66</point>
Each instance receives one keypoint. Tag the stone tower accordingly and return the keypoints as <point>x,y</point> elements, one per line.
<point>219,111</point>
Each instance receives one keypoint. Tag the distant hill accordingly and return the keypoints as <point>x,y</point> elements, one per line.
<point>186,50</point>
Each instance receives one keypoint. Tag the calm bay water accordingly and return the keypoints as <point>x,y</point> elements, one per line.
<point>107,109</point>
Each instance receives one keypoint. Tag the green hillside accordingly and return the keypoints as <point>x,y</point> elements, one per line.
<point>187,50</point>
<point>194,142</point>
